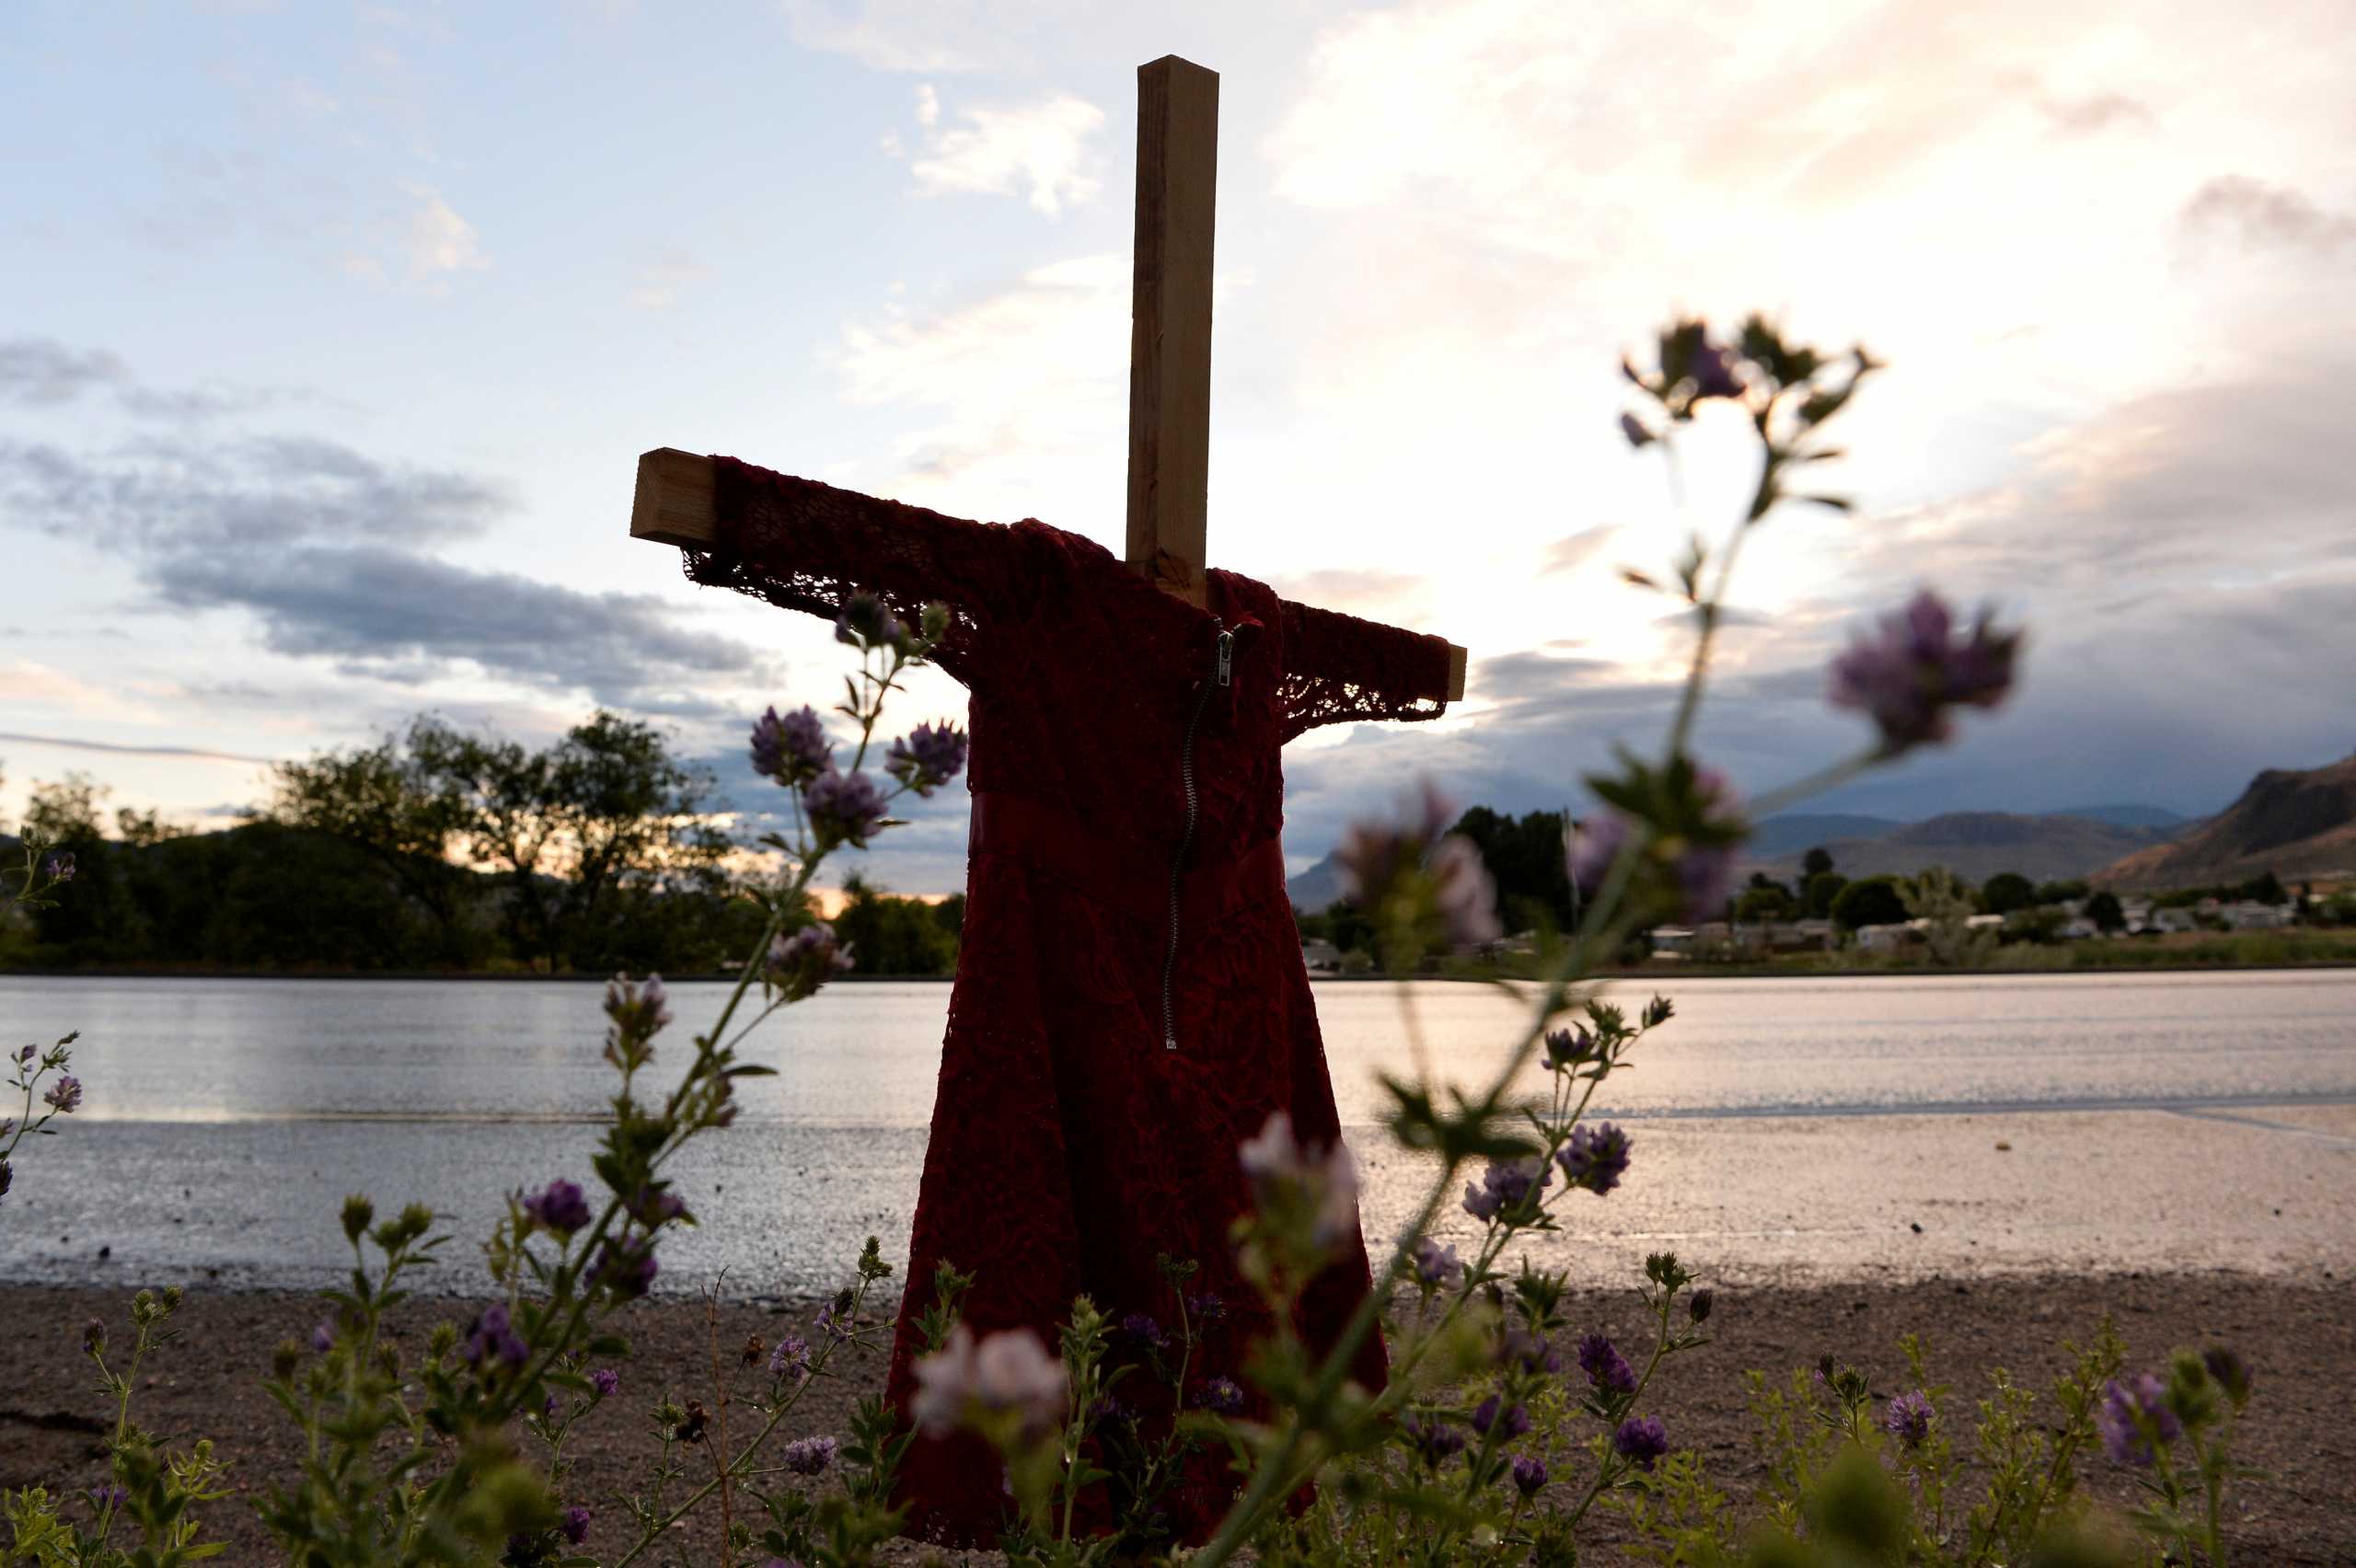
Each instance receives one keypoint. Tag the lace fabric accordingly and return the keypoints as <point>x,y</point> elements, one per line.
<point>1069,1146</point>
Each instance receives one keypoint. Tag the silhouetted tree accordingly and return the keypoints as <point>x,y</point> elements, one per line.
<point>2008,891</point>
<point>1869,901</point>
<point>1818,861</point>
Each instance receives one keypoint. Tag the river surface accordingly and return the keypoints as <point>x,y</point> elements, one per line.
<point>1802,1129</point>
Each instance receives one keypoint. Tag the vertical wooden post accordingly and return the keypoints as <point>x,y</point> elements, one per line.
<point>1170,341</point>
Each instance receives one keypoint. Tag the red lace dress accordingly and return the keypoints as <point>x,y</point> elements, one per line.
<point>1130,1002</point>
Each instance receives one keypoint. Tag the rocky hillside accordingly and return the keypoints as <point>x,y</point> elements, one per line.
<point>2293,823</point>
<point>1977,844</point>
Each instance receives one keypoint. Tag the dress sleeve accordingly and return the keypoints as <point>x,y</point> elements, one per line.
<point>1342,670</point>
<point>806,546</point>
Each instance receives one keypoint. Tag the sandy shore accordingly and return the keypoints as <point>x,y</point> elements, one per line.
<point>2299,1336</point>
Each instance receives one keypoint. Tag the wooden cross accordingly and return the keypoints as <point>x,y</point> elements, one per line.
<point>1170,358</point>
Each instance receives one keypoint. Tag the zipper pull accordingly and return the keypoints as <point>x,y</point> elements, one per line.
<point>1226,657</point>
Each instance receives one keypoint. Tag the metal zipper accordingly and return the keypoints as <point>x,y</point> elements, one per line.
<point>1222,673</point>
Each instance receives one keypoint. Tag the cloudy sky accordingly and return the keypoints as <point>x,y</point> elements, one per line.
<point>329,334</point>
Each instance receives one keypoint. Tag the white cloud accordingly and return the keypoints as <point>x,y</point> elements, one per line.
<point>658,284</point>
<point>1032,384</point>
<point>1041,149</point>
<point>438,241</point>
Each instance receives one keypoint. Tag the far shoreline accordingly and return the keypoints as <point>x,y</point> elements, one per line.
<point>1666,973</point>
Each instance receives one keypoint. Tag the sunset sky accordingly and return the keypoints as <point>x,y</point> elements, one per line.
<point>329,334</point>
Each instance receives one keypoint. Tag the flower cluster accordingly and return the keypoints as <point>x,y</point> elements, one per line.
<point>1007,1380</point>
<point>1607,1370</point>
<point>491,1337</point>
<point>1595,1157</point>
<point>864,622</point>
<point>2134,1417</point>
<point>926,757</point>
<point>1641,1440</point>
<point>809,1456</point>
<point>1410,865</point>
<point>1692,836</point>
<point>801,961</point>
<point>794,749</point>
<point>1908,676</point>
<point>562,1207</point>
<point>1907,1417</point>
<point>844,808</point>
<point>1317,1188</point>
<point>1506,1187</point>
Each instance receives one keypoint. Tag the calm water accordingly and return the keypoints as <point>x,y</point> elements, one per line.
<point>1781,1124</point>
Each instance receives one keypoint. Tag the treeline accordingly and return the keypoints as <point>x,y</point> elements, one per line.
<point>440,850</point>
<point>1524,857</point>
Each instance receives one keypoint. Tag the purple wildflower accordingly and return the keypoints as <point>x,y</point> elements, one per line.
<point>1324,1182</point>
<point>323,1336</point>
<point>929,757</point>
<point>1113,1408</point>
<point>562,1207</point>
<point>60,866</point>
<point>809,1456</point>
<point>836,1321</point>
<point>1513,1423</point>
<point>791,1358</point>
<point>1912,670</point>
<point>1141,1330</point>
<point>1907,1417</point>
<point>1207,1309</point>
<point>605,1380</point>
<point>1703,871</point>
<point>489,1336</point>
<point>807,958</point>
<point>652,1206</point>
<point>1375,853</point>
<point>27,1054</point>
<point>845,808</point>
<point>65,1094</point>
<point>794,749</point>
<point>1713,372</point>
<point>1434,1438</point>
<point>1569,1047</point>
<point>1220,1396</point>
<point>93,1337</point>
<point>1437,1266</point>
<point>1605,1367</point>
<point>1634,429</point>
<point>1505,1185</point>
<point>573,1524</point>
<point>109,1496</point>
<point>2133,1413</point>
<point>1532,1352</point>
<point>864,622</point>
<point>628,1269</point>
<point>7,1177</point>
<point>1594,844</point>
<point>1009,1371</point>
<point>1464,892</point>
<point>1529,1474</point>
<point>2226,1367</point>
<point>1595,1157</point>
<point>638,1010</point>
<point>1641,1439</point>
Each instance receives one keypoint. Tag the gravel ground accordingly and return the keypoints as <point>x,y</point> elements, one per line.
<point>2299,1336</point>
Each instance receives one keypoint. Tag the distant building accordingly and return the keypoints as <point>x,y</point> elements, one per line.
<point>1318,953</point>
<point>2251,916</point>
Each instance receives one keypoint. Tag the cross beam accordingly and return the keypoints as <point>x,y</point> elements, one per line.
<point>1169,357</point>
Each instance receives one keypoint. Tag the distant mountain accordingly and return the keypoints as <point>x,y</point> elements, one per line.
<point>1796,833</point>
<point>2293,823</point>
<point>1315,890</point>
<point>2128,815</point>
<point>1977,844</point>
